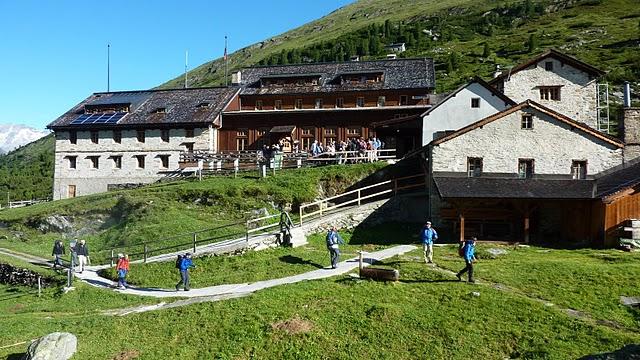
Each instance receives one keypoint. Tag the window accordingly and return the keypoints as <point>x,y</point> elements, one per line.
<point>307,138</point>
<point>164,135</point>
<point>160,110</point>
<point>164,161</point>
<point>94,161</point>
<point>474,167</point>
<point>340,102</point>
<point>117,161</point>
<point>353,132</point>
<point>261,138</point>
<point>360,102</point>
<point>202,105</point>
<point>140,160</point>
<point>258,104</point>
<point>381,101</point>
<point>188,133</point>
<point>117,136</point>
<point>579,169</point>
<point>330,135</point>
<point>550,93</point>
<point>188,147</point>
<point>242,139</point>
<point>242,133</point>
<point>526,122</point>
<point>404,100</point>
<point>73,137</point>
<point>525,168</point>
<point>140,135</point>
<point>72,161</point>
<point>278,105</point>
<point>307,131</point>
<point>298,104</point>
<point>548,65</point>
<point>318,103</point>
<point>475,102</point>
<point>94,136</point>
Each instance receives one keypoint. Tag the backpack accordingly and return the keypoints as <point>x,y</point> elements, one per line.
<point>179,261</point>
<point>329,239</point>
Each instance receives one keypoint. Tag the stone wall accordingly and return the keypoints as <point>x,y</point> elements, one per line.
<point>577,93</point>
<point>552,145</point>
<point>10,275</point>
<point>631,131</point>
<point>89,180</point>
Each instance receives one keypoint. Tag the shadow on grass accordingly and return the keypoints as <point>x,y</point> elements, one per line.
<point>425,281</point>
<point>295,260</point>
<point>627,352</point>
<point>17,356</point>
<point>384,234</point>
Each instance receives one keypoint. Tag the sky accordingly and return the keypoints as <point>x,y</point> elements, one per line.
<point>53,54</point>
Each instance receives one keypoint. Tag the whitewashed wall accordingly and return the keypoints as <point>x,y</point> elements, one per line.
<point>551,143</point>
<point>456,112</point>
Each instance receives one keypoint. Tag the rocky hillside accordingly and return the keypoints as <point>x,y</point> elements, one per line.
<point>14,136</point>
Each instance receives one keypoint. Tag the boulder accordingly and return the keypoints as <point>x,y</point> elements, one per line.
<point>56,223</point>
<point>55,346</point>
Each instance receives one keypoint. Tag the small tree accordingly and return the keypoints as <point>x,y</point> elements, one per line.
<point>532,44</point>
<point>486,51</point>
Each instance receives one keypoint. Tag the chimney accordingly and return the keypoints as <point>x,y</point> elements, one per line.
<point>626,102</point>
<point>236,78</point>
<point>630,127</point>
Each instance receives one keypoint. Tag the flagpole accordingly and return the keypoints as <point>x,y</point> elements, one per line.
<point>226,82</point>
<point>186,62</point>
<point>108,66</point>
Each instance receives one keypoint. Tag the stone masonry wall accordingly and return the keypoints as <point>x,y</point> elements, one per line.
<point>631,133</point>
<point>89,180</point>
<point>551,143</point>
<point>577,94</point>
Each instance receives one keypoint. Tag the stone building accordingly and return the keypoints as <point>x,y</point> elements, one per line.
<point>133,137</point>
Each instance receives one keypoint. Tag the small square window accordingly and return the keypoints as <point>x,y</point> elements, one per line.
<point>242,133</point>
<point>550,93</point>
<point>579,169</point>
<point>474,167</point>
<point>548,66</point>
<point>381,101</point>
<point>94,161</point>
<point>164,135</point>
<point>340,102</point>
<point>475,102</point>
<point>140,160</point>
<point>117,161</point>
<point>117,136</point>
<point>140,135</point>
<point>188,147</point>
<point>73,137</point>
<point>94,136</point>
<point>404,100</point>
<point>527,121</point>
<point>278,105</point>
<point>164,161</point>
<point>525,168</point>
<point>72,161</point>
<point>360,102</point>
<point>307,131</point>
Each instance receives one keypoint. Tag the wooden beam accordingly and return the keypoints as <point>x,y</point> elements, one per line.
<point>461,227</point>
<point>526,227</point>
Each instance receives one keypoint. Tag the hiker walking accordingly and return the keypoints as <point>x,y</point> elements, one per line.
<point>122,268</point>
<point>428,235</point>
<point>184,264</point>
<point>83,255</point>
<point>57,252</point>
<point>333,241</point>
<point>467,251</point>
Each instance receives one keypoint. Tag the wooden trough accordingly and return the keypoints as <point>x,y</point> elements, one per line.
<point>378,274</point>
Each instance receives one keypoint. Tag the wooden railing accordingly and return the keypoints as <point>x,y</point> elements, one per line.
<point>23,203</point>
<point>383,189</point>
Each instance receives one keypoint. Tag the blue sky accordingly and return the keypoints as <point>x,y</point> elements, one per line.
<point>53,54</point>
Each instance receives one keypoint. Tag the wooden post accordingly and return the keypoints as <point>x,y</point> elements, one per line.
<point>39,286</point>
<point>526,227</point>
<point>300,215</point>
<point>461,227</point>
<point>358,197</point>
<point>360,263</point>
<point>145,253</point>
<point>195,239</point>
<point>111,257</point>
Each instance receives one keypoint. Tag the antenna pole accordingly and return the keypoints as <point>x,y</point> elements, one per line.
<point>186,62</point>
<point>226,81</point>
<point>108,66</point>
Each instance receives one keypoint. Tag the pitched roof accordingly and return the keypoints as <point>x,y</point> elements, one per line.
<point>619,179</point>
<point>513,188</point>
<point>478,81</point>
<point>398,74</point>
<point>181,106</point>
<point>530,103</point>
<point>550,53</point>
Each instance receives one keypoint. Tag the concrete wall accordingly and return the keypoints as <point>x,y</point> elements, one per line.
<point>577,95</point>
<point>456,112</point>
<point>89,180</point>
<point>551,143</point>
<point>631,129</point>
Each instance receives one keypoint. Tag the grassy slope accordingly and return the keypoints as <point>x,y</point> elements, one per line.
<point>603,33</point>
<point>160,211</point>
<point>27,172</point>
<point>426,315</point>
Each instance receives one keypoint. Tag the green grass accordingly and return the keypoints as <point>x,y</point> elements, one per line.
<point>155,213</point>
<point>426,315</point>
<point>267,264</point>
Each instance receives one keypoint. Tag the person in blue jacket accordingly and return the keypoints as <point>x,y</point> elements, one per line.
<point>468,253</point>
<point>333,240</point>
<point>428,235</point>
<point>185,264</point>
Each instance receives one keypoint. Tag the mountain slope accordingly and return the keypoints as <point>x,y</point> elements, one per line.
<point>14,136</point>
<point>472,37</point>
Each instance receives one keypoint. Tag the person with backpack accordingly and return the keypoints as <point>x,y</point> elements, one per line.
<point>57,252</point>
<point>83,255</point>
<point>334,240</point>
<point>184,263</point>
<point>428,235</point>
<point>467,251</point>
<point>123,269</point>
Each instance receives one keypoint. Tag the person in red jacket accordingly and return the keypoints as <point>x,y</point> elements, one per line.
<point>123,269</point>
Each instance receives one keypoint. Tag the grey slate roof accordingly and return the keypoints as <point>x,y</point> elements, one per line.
<point>619,179</point>
<point>511,188</point>
<point>182,107</point>
<point>398,74</point>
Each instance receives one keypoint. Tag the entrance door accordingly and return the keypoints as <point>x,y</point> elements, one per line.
<point>71,192</point>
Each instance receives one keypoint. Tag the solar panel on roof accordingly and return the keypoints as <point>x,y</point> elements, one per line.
<point>87,119</point>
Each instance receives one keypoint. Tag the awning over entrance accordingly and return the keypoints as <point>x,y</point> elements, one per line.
<point>282,129</point>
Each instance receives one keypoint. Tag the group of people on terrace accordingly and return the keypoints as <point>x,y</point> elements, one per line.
<point>352,150</point>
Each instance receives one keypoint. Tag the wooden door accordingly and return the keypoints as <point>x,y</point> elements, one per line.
<point>71,193</point>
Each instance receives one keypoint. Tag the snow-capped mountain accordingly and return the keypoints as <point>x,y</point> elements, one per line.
<point>13,136</point>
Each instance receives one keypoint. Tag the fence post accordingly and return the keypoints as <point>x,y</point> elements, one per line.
<point>247,228</point>
<point>39,286</point>
<point>195,239</point>
<point>299,163</point>
<point>358,197</point>
<point>145,253</point>
<point>300,215</point>
<point>111,262</point>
